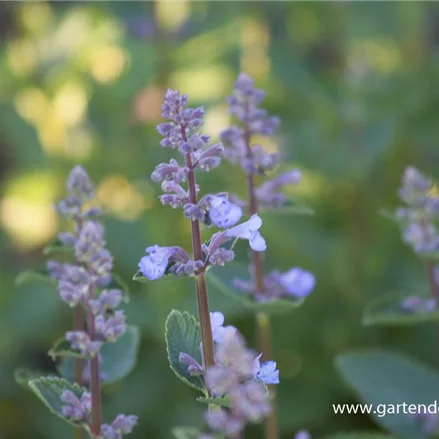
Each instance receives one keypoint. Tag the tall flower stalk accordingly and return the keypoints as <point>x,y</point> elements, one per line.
<point>254,121</point>
<point>83,286</point>
<point>419,230</point>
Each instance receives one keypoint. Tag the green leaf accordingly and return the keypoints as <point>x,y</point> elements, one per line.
<point>22,376</point>
<point>222,279</point>
<point>183,336</point>
<point>62,348</point>
<point>56,246</point>
<point>117,359</point>
<point>30,276</point>
<point>353,435</point>
<point>387,310</point>
<point>50,389</point>
<point>186,432</point>
<point>292,207</point>
<point>222,401</point>
<point>382,378</point>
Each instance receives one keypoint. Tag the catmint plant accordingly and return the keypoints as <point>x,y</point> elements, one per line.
<point>295,283</point>
<point>418,220</point>
<point>208,356</point>
<point>86,284</point>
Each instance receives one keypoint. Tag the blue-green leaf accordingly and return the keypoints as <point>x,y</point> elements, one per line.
<point>49,391</point>
<point>22,376</point>
<point>183,336</point>
<point>62,348</point>
<point>385,380</point>
<point>222,401</point>
<point>117,359</point>
<point>387,310</point>
<point>30,276</point>
<point>222,279</point>
<point>56,246</point>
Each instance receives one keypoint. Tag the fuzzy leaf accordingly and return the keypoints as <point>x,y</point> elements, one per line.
<point>385,378</point>
<point>49,391</point>
<point>222,279</point>
<point>183,336</point>
<point>22,376</point>
<point>387,310</point>
<point>222,401</point>
<point>56,246</point>
<point>62,348</point>
<point>30,276</point>
<point>117,359</point>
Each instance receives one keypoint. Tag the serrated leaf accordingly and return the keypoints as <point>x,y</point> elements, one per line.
<point>387,310</point>
<point>49,391</point>
<point>22,376</point>
<point>56,246</point>
<point>222,401</point>
<point>360,435</point>
<point>117,359</point>
<point>382,378</point>
<point>222,279</point>
<point>30,276</point>
<point>62,349</point>
<point>183,336</point>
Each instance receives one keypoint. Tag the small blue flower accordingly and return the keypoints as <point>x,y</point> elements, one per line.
<point>218,330</point>
<point>298,282</point>
<point>302,434</point>
<point>250,231</point>
<point>223,213</point>
<point>154,265</point>
<point>268,373</point>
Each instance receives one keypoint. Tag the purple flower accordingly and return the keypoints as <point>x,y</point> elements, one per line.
<point>123,424</point>
<point>249,231</point>
<point>112,328</point>
<point>71,293</point>
<point>153,266</point>
<point>302,434</point>
<point>267,372</point>
<point>223,213</point>
<point>194,368</point>
<point>74,408</point>
<point>218,330</point>
<point>81,341</point>
<point>107,300</point>
<point>251,401</point>
<point>221,421</point>
<point>79,185</point>
<point>298,282</point>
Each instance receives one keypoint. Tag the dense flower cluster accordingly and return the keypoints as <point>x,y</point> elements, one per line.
<point>180,133</point>
<point>418,221</point>
<point>244,106</point>
<point>239,374</point>
<point>85,283</point>
<point>421,211</point>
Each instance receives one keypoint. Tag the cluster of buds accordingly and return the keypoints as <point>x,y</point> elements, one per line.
<point>420,214</point>
<point>78,409</point>
<point>85,284</point>
<point>237,374</point>
<point>244,106</point>
<point>180,132</point>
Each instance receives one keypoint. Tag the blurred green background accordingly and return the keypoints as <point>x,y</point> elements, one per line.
<point>357,88</point>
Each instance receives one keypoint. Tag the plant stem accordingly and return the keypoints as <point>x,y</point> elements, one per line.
<point>262,319</point>
<point>431,278</point>
<point>95,381</point>
<point>79,325</point>
<point>201,284</point>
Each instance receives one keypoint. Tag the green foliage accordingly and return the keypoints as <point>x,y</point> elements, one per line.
<point>387,310</point>
<point>56,246</point>
<point>222,401</point>
<point>22,376</point>
<point>183,336</point>
<point>62,349</point>
<point>49,391</point>
<point>185,433</point>
<point>30,276</point>
<point>386,378</point>
<point>222,279</point>
<point>117,359</point>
